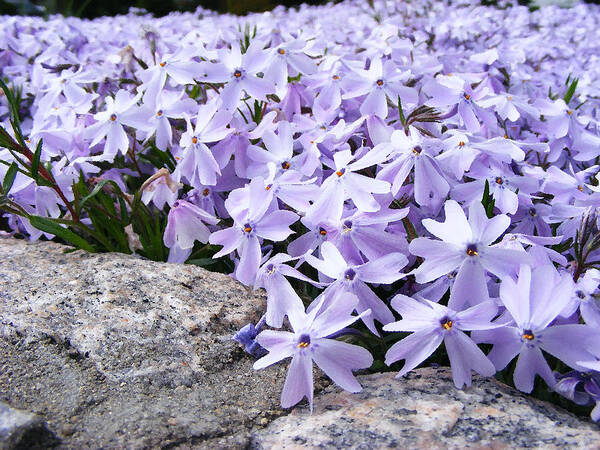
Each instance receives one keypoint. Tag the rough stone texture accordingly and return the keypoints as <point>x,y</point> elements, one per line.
<point>425,410</point>
<point>113,351</point>
<point>22,429</point>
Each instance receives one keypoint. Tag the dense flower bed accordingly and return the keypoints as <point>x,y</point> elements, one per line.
<point>430,166</point>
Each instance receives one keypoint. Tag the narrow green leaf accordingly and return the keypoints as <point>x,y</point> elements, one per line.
<point>49,226</point>
<point>35,163</point>
<point>97,189</point>
<point>571,91</point>
<point>9,178</point>
<point>401,112</point>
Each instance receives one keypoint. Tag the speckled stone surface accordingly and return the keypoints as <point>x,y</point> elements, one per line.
<point>112,351</point>
<point>115,351</point>
<point>426,411</point>
<point>22,429</point>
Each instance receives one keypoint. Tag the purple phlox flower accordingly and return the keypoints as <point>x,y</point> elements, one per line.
<point>68,84</point>
<point>328,84</point>
<point>186,224</point>
<point>309,342</point>
<point>238,141</point>
<point>582,388</point>
<point>248,208</point>
<point>532,218</point>
<point>158,110</point>
<point>586,297</point>
<point>380,82</point>
<point>239,71</point>
<point>288,59</point>
<point>432,323</point>
<point>503,183</point>
<point>320,130</point>
<point>180,66</point>
<point>413,151</point>
<point>291,188</point>
<point>568,186</point>
<point>466,246</point>
<point>538,251</point>
<point>453,91</point>
<point>510,106</point>
<point>122,110</point>
<point>160,189</point>
<point>365,234</point>
<point>196,163</point>
<point>568,217</point>
<point>352,278</point>
<point>247,337</point>
<point>534,301</point>
<point>279,150</point>
<point>317,233</point>
<point>281,297</point>
<point>344,183</point>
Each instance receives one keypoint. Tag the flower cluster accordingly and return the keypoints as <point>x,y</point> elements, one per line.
<point>426,168</point>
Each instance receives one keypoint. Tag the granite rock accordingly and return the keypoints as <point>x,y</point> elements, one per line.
<point>22,429</point>
<point>113,350</point>
<point>425,410</point>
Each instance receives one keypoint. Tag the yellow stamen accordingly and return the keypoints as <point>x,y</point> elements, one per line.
<point>248,229</point>
<point>194,140</point>
<point>447,325</point>
<point>303,344</point>
<point>528,336</point>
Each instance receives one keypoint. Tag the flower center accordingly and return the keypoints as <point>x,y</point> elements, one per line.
<point>349,274</point>
<point>580,188</point>
<point>347,226</point>
<point>237,73</point>
<point>322,231</point>
<point>205,192</point>
<point>336,77</point>
<point>467,97</point>
<point>247,228</point>
<point>285,165</point>
<point>446,323</point>
<point>379,82</point>
<point>304,341</point>
<point>461,144</point>
<point>532,212</point>
<point>281,51</point>
<point>194,140</point>
<point>159,113</point>
<point>162,64</point>
<point>340,172</point>
<point>268,187</point>
<point>499,180</point>
<point>417,150</point>
<point>113,117</point>
<point>472,250</point>
<point>528,334</point>
<point>270,269</point>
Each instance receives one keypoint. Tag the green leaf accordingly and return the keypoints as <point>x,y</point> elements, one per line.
<point>9,178</point>
<point>35,163</point>
<point>97,189</point>
<point>571,91</point>
<point>401,112</point>
<point>202,262</point>
<point>49,226</point>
